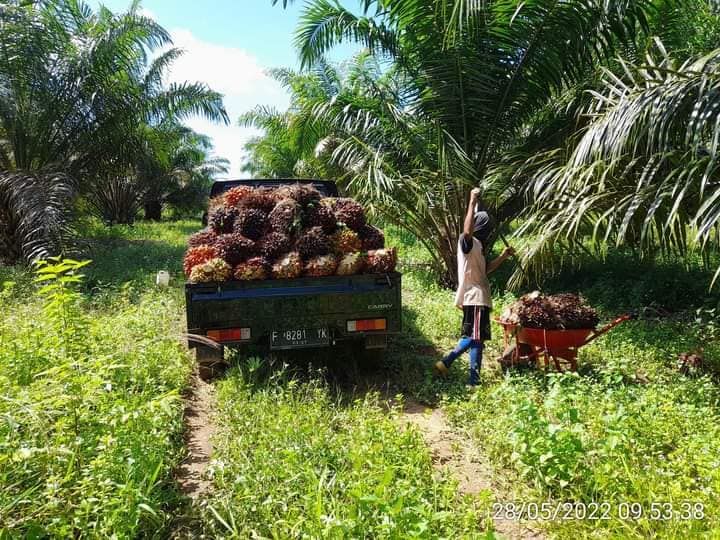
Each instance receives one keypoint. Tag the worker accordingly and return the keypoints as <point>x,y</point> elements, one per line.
<point>473,293</point>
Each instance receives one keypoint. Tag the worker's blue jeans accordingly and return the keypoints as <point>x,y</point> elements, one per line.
<point>476,349</point>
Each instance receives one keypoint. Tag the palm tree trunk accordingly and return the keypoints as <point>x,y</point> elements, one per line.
<point>153,210</point>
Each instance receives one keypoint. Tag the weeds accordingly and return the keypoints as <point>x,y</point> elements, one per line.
<point>292,461</point>
<point>90,411</point>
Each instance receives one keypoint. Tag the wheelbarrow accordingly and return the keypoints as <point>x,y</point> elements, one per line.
<point>524,346</point>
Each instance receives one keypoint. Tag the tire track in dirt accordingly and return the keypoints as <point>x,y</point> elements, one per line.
<point>199,430</point>
<point>454,453</point>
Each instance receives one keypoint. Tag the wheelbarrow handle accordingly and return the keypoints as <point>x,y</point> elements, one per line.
<point>605,329</point>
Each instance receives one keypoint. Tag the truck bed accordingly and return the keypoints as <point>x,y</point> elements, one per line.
<point>291,305</point>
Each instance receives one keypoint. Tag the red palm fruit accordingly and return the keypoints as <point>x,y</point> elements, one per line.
<point>198,255</point>
<point>206,237</point>
<point>234,248</point>
<point>234,197</point>
<point>313,242</point>
<point>251,222</point>
<point>372,238</point>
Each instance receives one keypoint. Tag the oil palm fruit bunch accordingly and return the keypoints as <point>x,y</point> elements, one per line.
<point>351,264</point>
<point>285,217</point>
<point>324,265</point>
<point>381,261</point>
<point>261,198</point>
<point>319,215</point>
<point>345,241</point>
<point>302,194</point>
<point>564,311</point>
<point>216,202</point>
<point>221,219</point>
<point>372,238</point>
<point>234,248</point>
<point>251,222</point>
<point>206,237</point>
<point>350,212</point>
<point>211,271</point>
<point>572,311</point>
<point>312,243</point>
<point>273,244</point>
<point>198,255</point>
<point>234,197</point>
<point>289,266</point>
<point>256,268</point>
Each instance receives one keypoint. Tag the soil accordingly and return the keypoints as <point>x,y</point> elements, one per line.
<point>454,453</point>
<point>199,431</point>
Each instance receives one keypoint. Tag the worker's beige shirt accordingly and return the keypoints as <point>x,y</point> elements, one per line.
<point>473,284</point>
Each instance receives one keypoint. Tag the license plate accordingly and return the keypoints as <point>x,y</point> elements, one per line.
<point>298,338</point>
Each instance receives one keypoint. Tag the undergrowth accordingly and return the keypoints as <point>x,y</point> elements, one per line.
<point>293,460</point>
<point>90,410</point>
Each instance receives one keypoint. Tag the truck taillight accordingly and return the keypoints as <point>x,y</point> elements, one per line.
<point>230,334</point>
<point>367,325</point>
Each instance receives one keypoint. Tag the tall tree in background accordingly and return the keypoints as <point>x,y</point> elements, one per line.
<point>78,96</point>
<point>478,79</point>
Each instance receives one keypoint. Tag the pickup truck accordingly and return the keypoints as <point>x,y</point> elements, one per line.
<point>283,314</point>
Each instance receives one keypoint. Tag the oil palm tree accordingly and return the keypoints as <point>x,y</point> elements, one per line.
<point>475,77</point>
<point>77,88</point>
<point>644,172</point>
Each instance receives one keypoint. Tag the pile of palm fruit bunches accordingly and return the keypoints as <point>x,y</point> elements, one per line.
<point>565,311</point>
<point>285,233</point>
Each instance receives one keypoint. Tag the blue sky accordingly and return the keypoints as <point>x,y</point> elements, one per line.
<point>229,45</point>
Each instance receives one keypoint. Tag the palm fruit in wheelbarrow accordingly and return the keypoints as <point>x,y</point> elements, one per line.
<point>222,219</point>
<point>551,312</point>
<point>312,243</point>
<point>251,222</point>
<point>254,269</point>
<point>196,256</point>
<point>211,271</point>
<point>289,266</point>
<point>324,265</point>
<point>372,238</point>
<point>345,241</point>
<point>234,197</point>
<point>351,264</point>
<point>381,261</point>
<point>234,248</point>
<point>285,217</point>
<point>572,311</point>
<point>350,213</point>
<point>206,237</point>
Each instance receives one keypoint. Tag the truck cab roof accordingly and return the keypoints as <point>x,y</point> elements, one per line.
<point>327,188</point>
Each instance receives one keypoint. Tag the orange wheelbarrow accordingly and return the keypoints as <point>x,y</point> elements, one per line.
<point>523,346</point>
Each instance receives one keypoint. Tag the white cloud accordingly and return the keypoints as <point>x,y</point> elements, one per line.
<point>236,74</point>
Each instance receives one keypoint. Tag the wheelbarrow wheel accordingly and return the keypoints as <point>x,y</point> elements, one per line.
<point>517,356</point>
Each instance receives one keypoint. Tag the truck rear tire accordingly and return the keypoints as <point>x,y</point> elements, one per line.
<point>210,361</point>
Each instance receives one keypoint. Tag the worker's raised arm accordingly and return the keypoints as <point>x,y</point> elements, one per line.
<point>469,225</point>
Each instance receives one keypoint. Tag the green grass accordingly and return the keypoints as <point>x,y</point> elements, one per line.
<point>294,460</point>
<point>627,428</point>
<point>90,415</point>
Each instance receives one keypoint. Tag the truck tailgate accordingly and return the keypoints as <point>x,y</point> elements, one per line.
<point>265,306</point>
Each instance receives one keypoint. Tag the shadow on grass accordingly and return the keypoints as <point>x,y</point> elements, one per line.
<point>405,367</point>
<point>117,261</point>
